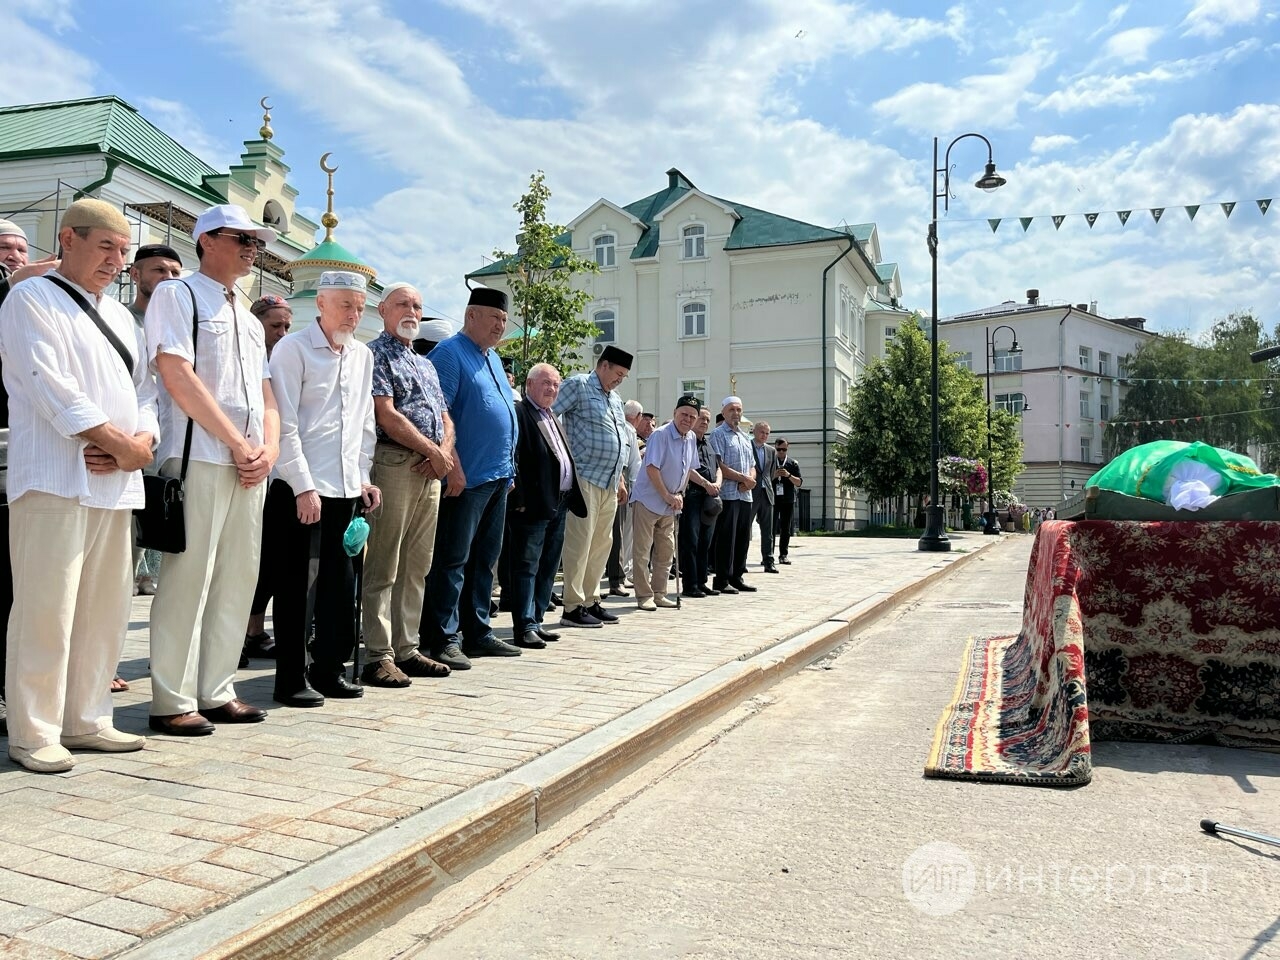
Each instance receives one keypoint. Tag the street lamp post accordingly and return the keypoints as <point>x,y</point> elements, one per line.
<point>992,526</point>
<point>935,531</point>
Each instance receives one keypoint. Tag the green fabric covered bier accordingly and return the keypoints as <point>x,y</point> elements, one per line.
<point>1187,476</point>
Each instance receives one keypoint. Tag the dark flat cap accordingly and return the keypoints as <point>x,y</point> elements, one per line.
<point>689,400</point>
<point>616,356</point>
<point>156,250</point>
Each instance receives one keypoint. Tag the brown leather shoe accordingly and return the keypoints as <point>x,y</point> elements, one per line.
<point>182,725</point>
<point>234,711</point>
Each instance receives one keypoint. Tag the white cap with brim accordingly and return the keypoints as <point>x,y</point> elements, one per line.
<point>10,229</point>
<point>228,216</point>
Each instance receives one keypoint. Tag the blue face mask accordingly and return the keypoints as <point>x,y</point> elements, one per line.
<point>357,533</point>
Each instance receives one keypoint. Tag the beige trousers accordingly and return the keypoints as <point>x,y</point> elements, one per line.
<point>402,540</point>
<point>654,531</point>
<point>203,601</point>
<point>586,546</point>
<point>72,590</point>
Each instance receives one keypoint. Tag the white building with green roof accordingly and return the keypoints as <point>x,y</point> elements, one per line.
<point>714,297</point>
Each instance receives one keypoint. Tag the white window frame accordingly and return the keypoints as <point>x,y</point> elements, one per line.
<point>694,388</point>
<point>965,360</point>
<point>1086,405</point>
<point>699,247</point>
<point>1006,362</point>
<point>611,247</point>
<point>1011,402</point>
<point>1104,363</point>
<point>607,334</point>
<point>889,334</point>
<point>1086,449</point>
<point>682,334</point>
<point>1086,357</point>
<point>1104,406</point>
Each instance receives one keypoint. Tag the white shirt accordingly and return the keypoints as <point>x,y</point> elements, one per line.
<point>325,398</point>
<point>64,377</point>
<point>230,358</point>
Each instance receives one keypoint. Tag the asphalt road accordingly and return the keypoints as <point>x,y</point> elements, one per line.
<point>792,829</point>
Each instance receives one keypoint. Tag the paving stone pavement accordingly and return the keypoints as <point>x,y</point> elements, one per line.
<point>126,846</point>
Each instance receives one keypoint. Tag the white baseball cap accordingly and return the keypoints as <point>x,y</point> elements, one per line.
<point>228,216</point>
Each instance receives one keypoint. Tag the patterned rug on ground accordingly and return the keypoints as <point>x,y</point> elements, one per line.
<point>1159,631</point>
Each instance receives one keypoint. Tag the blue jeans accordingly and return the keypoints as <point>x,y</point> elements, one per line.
<point>535,558</point>
<point>468,541</point>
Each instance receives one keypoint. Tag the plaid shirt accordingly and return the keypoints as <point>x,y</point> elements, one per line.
<point>596,427</point>
<point>411,382</point>
<point>734,449</point>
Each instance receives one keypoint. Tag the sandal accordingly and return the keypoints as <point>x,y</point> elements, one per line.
<point>260,645</point>
<point>118,684</point>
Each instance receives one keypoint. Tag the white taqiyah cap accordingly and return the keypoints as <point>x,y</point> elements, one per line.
<point>342,280</point>
<point>728,400</point>
<point>435,330</point>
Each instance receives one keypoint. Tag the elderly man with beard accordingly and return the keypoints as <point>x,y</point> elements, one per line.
<point>323,379</point>
<point>733,528</point>
<point>414,452</point>
<point>83,423</point>
<point>216,389</point>
<point>455,614</point>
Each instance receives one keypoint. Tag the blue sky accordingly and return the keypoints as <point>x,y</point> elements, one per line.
<point>437,111</point>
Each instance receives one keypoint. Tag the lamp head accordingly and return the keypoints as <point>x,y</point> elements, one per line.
<point>990,180</point>
<point>1026,407</point>
<point>1015,348</point>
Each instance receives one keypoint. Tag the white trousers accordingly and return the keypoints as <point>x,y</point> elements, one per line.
<point>202,605</point>
<point>587,541</point>
<point>72,589</point>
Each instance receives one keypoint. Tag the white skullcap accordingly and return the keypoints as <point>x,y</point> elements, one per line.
<point>342,280</point>
<point>435,329</point>
<point>10,229</point>
<point>728,400</point>
<point>391,288</point>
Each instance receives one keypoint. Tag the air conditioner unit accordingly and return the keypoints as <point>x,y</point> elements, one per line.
<point>597,349</point>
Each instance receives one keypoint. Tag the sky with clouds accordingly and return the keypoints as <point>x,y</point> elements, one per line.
<point>437,112</point>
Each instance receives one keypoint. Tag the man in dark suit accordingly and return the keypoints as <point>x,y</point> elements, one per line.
<point>784,496</point>
<point>765,462</point>
<point>546,489</point>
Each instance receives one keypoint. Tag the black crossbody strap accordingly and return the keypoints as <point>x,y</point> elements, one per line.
<point>101,324</point>
<point>195,333</point>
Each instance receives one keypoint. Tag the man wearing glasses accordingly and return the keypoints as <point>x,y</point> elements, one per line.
<point>221,384</point>
<point>786,482</point>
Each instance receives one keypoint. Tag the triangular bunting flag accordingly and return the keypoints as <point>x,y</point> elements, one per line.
<point>1092,218</point>
<point>1177,382</point>
<point>1227,208</point>
<point>1057,221</point>
<point>994,224</point>
<point>1264,206</point>
<point>1026,222</point>
<point>1192,211</point>
<point>1157,213</point>
<point>1124,216</point>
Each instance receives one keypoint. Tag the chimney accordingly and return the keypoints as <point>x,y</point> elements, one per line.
<point>1033,297</point>
<point>1093,307</point>
<point>1082,307</point>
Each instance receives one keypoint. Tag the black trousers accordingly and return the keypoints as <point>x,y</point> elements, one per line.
<point>733,536</point>
<point>695,540</point>
<point>311,558</point>
<point>782,512</point>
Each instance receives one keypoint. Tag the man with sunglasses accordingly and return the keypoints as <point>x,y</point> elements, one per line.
<point>220,383</point>
<point>785,484</point>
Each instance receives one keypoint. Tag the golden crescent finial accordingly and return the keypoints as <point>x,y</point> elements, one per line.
<point>263,104</point>
<point>324,166</point>
<point>265,131</point>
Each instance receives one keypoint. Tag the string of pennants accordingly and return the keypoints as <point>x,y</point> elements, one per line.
<point>1177,420</point>
<point>1123,215</point>
<point>1130,381</point>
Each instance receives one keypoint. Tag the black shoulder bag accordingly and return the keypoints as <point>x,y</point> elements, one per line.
<point>162,523</point>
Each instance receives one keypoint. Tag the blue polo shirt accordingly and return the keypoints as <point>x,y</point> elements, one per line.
<point>484,415</point>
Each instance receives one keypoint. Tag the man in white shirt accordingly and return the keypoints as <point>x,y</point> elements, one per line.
<point>82,418</point>
<point>221,386</point>
<point>323,382</point>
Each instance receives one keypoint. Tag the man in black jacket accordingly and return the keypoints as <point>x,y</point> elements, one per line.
<point>546,489</point>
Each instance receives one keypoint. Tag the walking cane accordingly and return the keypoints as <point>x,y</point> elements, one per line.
<point>358,563</point>
<point>677,536</point>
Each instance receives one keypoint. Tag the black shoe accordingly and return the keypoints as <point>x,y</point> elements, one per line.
<point>601,614</point>
<point>303,695</point>
<point>741,586</point>
<point>710,591</point>
<point>770,568</point>
<point>530,640</point>
<point>784,560</point>
<point>451,655</point>
<point>493,608</point>
<point>579,617</point>
<point>338,687</point>
<point>615,590</point>
<point>4,719</point>
<point>693,594</point>
<point>556,601</point>
<point>721,588</point>
<point>491,646</point>
<point>547,635</point>
<point>244,659</point>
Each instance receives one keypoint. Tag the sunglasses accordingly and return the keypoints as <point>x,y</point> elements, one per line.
<point>244,239</point>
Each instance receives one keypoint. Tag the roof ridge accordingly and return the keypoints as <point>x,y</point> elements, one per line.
<point>79,101</point>
<point>779,216</point>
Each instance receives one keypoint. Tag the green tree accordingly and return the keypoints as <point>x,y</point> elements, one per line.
<point>540,276</point>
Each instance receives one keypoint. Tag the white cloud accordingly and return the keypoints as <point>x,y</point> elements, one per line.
<point>1047,144</point>
<point>991,100</point>
<point>39,69</point>
<point>1134,89</point>
<point>1209,18</point>
<point>1113,19</point>
<point>1132,46</point>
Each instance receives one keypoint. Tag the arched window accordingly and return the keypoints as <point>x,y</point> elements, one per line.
<point>606,246</point>
<point>695,241</point>
<point>693,320</point>
<point>607,321</point>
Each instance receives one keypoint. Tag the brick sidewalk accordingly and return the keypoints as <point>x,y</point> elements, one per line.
<point>128,845</point>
